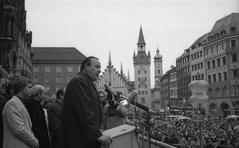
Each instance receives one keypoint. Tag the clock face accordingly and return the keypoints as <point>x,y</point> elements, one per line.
<point>141,67</point>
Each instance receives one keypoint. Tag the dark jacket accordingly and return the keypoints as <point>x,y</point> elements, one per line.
<point>39,126</point>
<point>54,116</point>
<point>3,101</point>
<point>81,114</point>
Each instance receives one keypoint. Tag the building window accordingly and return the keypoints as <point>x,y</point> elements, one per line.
<point>214,77</point>
<point>201,64</point>
<point>224,62</point>
<point>233,43</point>
<point>208,65</point>
<point>225,75</point>
<point>58,69</point>
<point>69,69</point>
<point>218,62</point>
<point>145,72</point>
<point>219,77</point>
<point>143,100</point>
<point>235,74</point>
<point>209,79</point>
<point>47,78</point>
<point>202,75</point>
<point>59,79</point>
<point>213,64</point>
<point>234,57</point>
<point>139,72</point>
<point>47,69</point>
<point>36,69</point>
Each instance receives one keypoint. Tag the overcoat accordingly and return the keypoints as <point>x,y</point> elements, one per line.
<point>17,132</point>
<point>81,114</point>
<point>39,124</point>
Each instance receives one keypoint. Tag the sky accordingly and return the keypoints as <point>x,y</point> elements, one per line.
<point>97,27</point>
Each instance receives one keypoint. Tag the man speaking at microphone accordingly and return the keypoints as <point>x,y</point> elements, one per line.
<point>81,114</point>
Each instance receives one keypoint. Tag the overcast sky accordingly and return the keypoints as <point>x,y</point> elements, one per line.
<point>96,27</point>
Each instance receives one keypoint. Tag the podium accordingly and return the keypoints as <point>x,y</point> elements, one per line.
<point>122,137</point>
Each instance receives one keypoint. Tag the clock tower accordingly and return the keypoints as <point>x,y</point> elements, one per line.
<point>142,72</point>
<point>158,69</point>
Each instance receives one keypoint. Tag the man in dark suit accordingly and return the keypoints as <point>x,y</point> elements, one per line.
<point>81,114</point>
<point>37,115</point>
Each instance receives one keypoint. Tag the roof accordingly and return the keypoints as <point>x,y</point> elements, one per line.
<point>141,37</point>
<point>57,54</point>
<point>232,19</point>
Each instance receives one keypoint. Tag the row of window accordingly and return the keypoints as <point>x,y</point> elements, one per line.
<point>183,61</point>
<point>198,77</point>
<point>143,92</point>
<point>196,55</point>
<point>47,79</point>
<point>217,77</point>
<point>142,86</point>
<point>58,69</point>
<point>212,63</point>
<point>145,72</point>
<point>221,33</point>
<point>184,70</point>
<point>197,66</point>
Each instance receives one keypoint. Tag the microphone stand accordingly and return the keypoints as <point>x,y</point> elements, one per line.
<point>146,109</point>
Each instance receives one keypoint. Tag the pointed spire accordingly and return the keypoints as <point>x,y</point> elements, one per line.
<point>121,68</point>
<point>141,41</point>
<point>128,77</point>
<point>109,62</point>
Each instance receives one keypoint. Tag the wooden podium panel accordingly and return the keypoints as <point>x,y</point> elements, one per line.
<point>123,137</point>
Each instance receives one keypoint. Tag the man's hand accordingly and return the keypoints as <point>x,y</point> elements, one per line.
<point>105,140</point>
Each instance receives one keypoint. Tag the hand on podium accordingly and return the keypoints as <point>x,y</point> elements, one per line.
<point>105,140</point>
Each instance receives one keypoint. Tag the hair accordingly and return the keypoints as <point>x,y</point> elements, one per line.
<point>20,83</point>
<point>87,61</point>
<point>37,90</point>
<point>59,92</point>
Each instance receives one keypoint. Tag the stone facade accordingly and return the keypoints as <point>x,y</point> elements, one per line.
<point>15,40</point>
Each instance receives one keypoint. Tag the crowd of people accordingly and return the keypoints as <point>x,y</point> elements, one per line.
<point>185,133</point>
<point>32,119</point>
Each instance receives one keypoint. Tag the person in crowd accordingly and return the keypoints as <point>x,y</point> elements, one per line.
<point>3,99</point>
<point>81,114</point>
<point>38,117</point>
<point>17,125</point>
<point>54,116</point>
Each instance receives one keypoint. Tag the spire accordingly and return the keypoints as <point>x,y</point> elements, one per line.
<point>121,68</point>
<point>109,62</point>
<point>141,42</point>
<point>128,77</point>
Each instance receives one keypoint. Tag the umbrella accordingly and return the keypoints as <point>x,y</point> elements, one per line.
<point>232,117</point>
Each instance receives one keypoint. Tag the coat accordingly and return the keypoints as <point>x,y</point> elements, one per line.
<point>81,114</point>
<point>54,116</point>
<point>17,132</point>
<point>39,125</point>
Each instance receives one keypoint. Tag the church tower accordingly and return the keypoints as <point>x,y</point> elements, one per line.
<point>158,69</point>
<point>142,71</point>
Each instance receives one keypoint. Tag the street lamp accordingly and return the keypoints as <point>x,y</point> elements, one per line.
<point>199,101</point>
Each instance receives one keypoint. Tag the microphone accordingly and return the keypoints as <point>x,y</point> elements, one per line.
<point>109,89</point>
<point>132,96</point>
